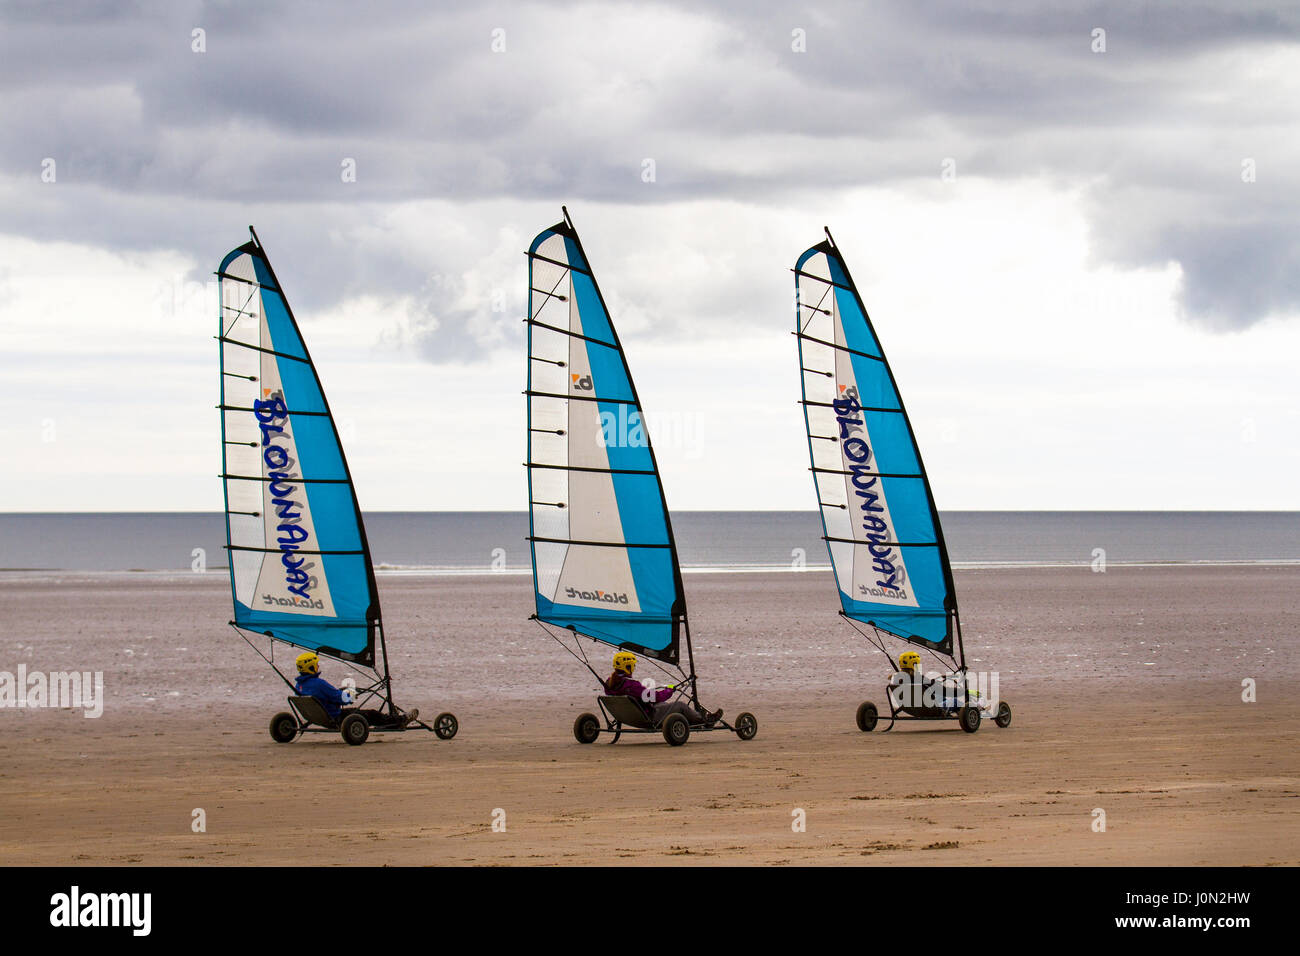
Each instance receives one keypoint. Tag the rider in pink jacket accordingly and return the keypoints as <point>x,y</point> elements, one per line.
<point>657,702</point>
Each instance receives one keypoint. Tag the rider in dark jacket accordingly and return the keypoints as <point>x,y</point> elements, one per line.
<point>337,702</point>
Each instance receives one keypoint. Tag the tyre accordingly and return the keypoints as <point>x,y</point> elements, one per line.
<point>355,729</point>
<point>746,726</point>
<point>677,729</point>
<point>284,727</point>
<point>867,716</point>
<point>1003,719</point>
<point>586,728</point>
<point>969,718</point>
<point>445,726</point>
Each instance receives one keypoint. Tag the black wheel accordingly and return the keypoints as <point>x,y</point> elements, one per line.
<point>586,728</point>
<point>677,729</point>
<point>355,729</point>
<point>284,727</point>
<point>867,716</point>
<point>969,718</point>
<point>746,726</point>
<point>445,726</point>
<point>1003,719</point>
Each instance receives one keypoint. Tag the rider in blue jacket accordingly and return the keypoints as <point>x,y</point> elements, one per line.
<point>338,702</point>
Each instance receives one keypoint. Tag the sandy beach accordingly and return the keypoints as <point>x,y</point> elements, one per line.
<point>1126,688</point>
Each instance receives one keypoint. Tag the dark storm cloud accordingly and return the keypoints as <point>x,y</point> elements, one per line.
<point>165,147</point>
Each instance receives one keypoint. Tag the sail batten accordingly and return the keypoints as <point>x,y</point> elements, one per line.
<point>879,519</point>
<point>300,566</point>
<point>604,560</point>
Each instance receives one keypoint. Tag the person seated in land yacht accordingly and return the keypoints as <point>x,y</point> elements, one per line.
<point>656,701</point>
<point>912,689</point>
<point>336,702</point>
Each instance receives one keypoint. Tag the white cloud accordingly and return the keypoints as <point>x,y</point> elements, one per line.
<point>1035,377</point>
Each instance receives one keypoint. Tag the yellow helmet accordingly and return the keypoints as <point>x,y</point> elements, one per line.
<point>909,661</point>
<point>308,663</point>
<point>625,663</point>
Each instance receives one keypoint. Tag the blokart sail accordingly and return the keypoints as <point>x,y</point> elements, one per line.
<point>879,518</point>
<point>300,566</point>
<point>605,565</point>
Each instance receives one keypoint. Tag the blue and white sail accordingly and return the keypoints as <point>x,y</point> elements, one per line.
<point>880,522</point>
<point>300,568</point>
<point>604,561</point>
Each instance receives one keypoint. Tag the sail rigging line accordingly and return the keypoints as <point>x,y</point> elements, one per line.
<point>683,684</point>
<point>564,274</point>
<point>579,655</point>
<point>270,660</point>
<point>240,311</point>
<point>874,638</point>
<point>815,309</point>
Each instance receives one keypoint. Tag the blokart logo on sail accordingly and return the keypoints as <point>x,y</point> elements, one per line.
<point>603,597</point>
<point>317,604</point>
<point>865,590</point>
<point>871,512</point>
<point>278,457</point>
<point>581,383</point>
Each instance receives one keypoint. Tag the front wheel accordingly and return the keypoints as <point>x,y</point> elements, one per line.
<point>355,729</point>
<point>970,719</point>
<point>746,726</point>
<point>867,716</point>
<point>284,727</point>
<point>586,728</point>
<point>445,726</point>
<point>677,729</point>
<point>1003,719</point>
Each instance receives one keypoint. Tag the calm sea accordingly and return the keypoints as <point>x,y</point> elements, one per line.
<point>479,541</point>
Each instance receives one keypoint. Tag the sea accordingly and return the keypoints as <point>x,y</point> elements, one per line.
<point>707,541</point>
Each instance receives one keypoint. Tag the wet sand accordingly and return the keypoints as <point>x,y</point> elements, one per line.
<point>1126,688</point>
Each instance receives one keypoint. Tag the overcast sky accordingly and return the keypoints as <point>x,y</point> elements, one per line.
<point>1076,226</point>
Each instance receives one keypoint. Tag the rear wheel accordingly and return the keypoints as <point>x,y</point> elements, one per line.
<point>746,726</point>
<point>867,716</point>
<point>586,728</point>
<point>355,729</point>
<point>970,719</point>
<point>284,727</point>
<point>445,726</point>
<point>1003,719</point>
<point>677,729</point>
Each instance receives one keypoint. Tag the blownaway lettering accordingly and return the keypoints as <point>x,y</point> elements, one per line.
<point>871,512</point>
<point>272,416</point>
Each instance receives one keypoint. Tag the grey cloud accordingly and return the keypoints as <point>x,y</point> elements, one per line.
<point>165,147</point>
